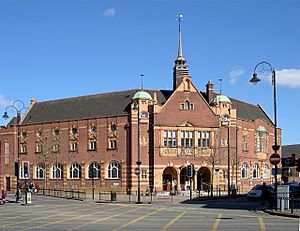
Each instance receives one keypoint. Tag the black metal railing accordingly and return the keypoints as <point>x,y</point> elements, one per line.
<point>63,193</point>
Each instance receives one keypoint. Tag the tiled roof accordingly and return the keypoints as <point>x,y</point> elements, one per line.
<point>90,106</point>
<point>288,150</point>
<point>13,121</point>
<point>245,110</point>
<point>114,104</point>
<point>249,111</point>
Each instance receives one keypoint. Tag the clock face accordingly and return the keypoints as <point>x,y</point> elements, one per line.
<point>144,115</point>
<point>113,127</point>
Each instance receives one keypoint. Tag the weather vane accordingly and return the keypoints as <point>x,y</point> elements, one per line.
<point>179,18</point>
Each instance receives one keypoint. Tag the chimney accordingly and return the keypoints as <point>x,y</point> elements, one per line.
<point>33,101</point>
<point>209,91</point>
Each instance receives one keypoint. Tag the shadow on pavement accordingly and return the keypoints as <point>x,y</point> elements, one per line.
<point>238,203</point>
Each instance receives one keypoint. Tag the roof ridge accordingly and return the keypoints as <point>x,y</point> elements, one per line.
<point>217,93</point>
<point>290,145</point>
<point>83,96</point>
<point>256,105</point>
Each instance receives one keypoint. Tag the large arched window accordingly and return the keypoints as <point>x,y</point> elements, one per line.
<point>94,170</point>
<point>75,171</point>
<point>261,139</point>
<point>57,171</point>
<point>114,170</point>
<point>255,171</point>
<point>40,171</point>
<point>244,171</point>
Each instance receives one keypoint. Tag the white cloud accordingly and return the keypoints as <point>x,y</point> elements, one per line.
<point>4,102</point>
<point>110,12</point>
<point>288,77</point>
<point>235,74</point>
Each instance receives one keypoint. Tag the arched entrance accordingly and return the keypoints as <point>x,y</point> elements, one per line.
<point>184,180</point>
<point>203,178</point>
<point>169,178</point>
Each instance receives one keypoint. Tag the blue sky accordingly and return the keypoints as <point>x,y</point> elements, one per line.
<point>52,49</point>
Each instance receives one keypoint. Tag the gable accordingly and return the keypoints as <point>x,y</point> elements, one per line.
<point>199,115</point>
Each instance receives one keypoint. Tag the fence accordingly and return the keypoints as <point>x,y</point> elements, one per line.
<point>218,192</point>
<point>145,197</point>
<point>63,193</point>
<point>287,204</point>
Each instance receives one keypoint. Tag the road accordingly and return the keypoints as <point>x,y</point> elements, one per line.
<point>47,213</point>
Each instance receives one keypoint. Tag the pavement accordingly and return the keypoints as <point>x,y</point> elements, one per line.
<point>179,199</point>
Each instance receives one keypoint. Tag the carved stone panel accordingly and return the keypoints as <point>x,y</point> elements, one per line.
<point>168,152</point>
<point>184,151</point>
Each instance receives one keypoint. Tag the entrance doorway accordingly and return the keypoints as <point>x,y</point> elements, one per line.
<point>203,178</point>
<point>184,180</point>
<point>169,179</point>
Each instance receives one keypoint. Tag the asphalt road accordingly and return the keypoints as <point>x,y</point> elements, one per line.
<point>47,213</point>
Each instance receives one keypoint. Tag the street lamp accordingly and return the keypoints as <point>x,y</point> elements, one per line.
<point>275,147</point>
<point>18,106</point>
<point>138,162</point>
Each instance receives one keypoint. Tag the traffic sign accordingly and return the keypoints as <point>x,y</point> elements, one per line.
<point>137,171</point>
<point>274,159</point>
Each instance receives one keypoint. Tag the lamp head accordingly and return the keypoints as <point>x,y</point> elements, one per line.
<point>5,116</point>
<point>254,79</point>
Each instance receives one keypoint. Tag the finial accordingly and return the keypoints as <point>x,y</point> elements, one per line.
<point>220,86</point>
<point>142,81</point>
<point>180,18</point>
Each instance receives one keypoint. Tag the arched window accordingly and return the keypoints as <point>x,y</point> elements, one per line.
<point>57,171</point>
<point>266,172</point>
<point>255,171</point>
<point>94,170</point>
<point>186,105</point>
<point>244,171</point>
<point>114,170</point>
<point>75,171</point>
<point>40,171</point>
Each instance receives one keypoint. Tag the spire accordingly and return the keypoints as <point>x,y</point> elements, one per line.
<point>180,18</point>
<point>181,68</point>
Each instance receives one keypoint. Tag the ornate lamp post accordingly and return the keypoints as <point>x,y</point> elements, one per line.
<point>138,162</point>
<point>18,106</point>
<point>275,147</point>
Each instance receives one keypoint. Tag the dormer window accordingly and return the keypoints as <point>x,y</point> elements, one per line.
<point>187,105</point>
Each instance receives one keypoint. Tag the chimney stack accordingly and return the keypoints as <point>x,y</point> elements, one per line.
<point>209,91</point>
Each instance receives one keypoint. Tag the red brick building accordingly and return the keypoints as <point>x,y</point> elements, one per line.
<point>97,139</point>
